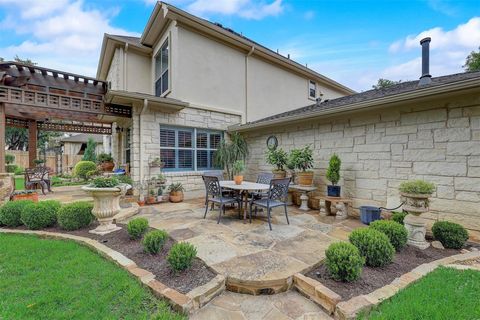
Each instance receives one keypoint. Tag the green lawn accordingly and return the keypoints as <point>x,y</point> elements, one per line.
<point>54,279</point>
<point>445,293</point>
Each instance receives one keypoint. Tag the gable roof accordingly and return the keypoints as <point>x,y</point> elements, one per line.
<point>400,92</point>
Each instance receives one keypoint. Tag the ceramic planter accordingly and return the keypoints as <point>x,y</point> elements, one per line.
<point>176,196</point>
<point>238,179</point>
<point>106,204</point>
<point>415,204</point>
<point>334,191</point>
<point>305,178</point>
<point>279,174</point>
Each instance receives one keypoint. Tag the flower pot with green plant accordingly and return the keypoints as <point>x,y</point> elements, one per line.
<point>151,198</point>
<point>25,195</point>
<point>176,192</point>
<point>39,162</point>
<point>237,168</point>
<point>302,159</point>
<point>278,158</point>
<point>105,162</point>
<point>160,195</point>
<point>333,175</point>
<point>230,151</point>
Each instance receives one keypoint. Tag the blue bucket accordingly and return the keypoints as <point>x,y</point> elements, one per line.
<point>369,214</point>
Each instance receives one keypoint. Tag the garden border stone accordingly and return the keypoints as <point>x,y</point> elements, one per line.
<point>185,303</point>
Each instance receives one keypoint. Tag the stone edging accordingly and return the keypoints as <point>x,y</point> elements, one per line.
<point>346,310</point>
<point>186,303</point>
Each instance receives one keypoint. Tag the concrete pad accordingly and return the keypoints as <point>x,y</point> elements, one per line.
<point>212,249</point>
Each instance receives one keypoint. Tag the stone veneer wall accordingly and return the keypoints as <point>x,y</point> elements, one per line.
<point>436,141</point>
<point>188,117</point>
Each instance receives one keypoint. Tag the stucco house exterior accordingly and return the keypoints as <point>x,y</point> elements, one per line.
<point>188,80</point>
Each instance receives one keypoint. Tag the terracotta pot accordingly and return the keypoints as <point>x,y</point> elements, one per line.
<point>32,196</point>
<point>176,196</point>
<point>141,203</point>
<point>107,166</point>
<point>151,199</point>
<point>279,174</point>
<point>238,179</point>
<point>305,178</point>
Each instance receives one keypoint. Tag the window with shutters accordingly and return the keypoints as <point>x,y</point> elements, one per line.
<point>188,149</point>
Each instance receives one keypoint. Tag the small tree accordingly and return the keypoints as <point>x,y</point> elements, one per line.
<point>333,171</point>
<point>385,83</point>
<point>472,63</point>
<point>89,154</point>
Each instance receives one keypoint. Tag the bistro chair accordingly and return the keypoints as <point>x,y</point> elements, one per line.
<point>37,176</point>
<point>263,178</point>
<point>277,197</point>
<point>215,196</point>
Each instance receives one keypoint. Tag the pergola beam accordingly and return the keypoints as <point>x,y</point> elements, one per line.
<point>2,137</point>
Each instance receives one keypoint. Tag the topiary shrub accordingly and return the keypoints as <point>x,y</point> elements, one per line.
<point>39,215</point>
<point>451,235</point>
<point>181,255</point>
<point>83,168</point>
<point>399,216</point>
<point>10,212</point>
<point>19,170</point>
<point>137,227</point>
<point>154,240</point>
<point>74,216</point>
<point>396,233</point>
<point>344,262</point>
<point>373,245</point>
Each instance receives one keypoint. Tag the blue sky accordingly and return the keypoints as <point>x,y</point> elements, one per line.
<point>353,42</point>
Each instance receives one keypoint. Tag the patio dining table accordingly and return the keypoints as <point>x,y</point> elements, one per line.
<point>244,188</point>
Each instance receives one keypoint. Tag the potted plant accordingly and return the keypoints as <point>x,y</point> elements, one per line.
<point>160,196</point>
<point>237,168</point>
<point>106,194</point>
<point>176,192</point>
<point>156,162</point>
<point>291,167</point>
<point>278,158</point>
<point>151,198</point>
<point>303,160</point>
<point>39,162</point>
<point>105,161</point>
<point>25,195</point>
<point>333,175</point>
<point>415,197</point>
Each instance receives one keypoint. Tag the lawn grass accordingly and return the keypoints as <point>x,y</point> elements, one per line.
<point>445,293</point>
<point>55,279</point>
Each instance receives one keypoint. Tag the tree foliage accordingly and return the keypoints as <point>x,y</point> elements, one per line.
<point>385,83</point>
<point>229,152</point>
<point>472,63</point>
<point>89,154</point>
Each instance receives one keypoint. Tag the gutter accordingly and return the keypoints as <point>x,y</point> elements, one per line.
<point>401,97</point>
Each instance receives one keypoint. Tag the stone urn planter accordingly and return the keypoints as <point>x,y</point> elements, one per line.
<point>106,204</point>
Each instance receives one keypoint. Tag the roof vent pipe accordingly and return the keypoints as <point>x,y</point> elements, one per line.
<point>426,78</point>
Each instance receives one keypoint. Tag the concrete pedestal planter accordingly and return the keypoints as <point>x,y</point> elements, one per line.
<point>106,204</point>
<point>415,204</point>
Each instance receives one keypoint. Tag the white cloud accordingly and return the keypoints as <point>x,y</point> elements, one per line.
<point>62,34</point>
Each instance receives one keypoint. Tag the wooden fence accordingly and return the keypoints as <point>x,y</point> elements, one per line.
<point>68,160</point>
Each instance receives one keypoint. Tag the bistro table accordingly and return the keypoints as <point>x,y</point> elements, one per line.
<point>244,188</point>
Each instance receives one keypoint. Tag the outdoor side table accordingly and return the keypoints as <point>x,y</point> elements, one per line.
<point>304,196</point>
<point>341,204</point>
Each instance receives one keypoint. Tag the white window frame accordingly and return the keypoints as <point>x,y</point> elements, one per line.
<point>311,82</point>
<point>166,42</point>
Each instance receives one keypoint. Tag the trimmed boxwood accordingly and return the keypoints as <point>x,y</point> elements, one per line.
<point>75,215</point>
<point>344,262</point>
<point>373,245</point>
<point>450,234</point>
<point>40,215</point>
<point>83,168</point>
<point>399,216</point>
<point>181,255</point>
<point>137,227</point>
<point>396,233</point>
<point>154,240</point>
<point>10,212</point>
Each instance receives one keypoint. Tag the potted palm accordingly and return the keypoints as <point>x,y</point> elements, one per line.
<point>303,160</point>
<point>278,158</point>
<point>176,192</point>
<point>237,168</point>
<point>333,175</point>
<point>415,197</point>
<point>105,161</point>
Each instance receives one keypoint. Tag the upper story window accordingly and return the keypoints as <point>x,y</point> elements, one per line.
<point>161,70</point>
<point>312,89</point>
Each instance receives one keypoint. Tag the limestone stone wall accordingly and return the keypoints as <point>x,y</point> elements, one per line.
<point>437,141</point>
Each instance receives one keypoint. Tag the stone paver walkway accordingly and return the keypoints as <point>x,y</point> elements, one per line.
<point>283,306</point>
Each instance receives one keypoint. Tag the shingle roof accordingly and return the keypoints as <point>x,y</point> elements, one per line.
<point>129,39</point>
<point>371,95</point>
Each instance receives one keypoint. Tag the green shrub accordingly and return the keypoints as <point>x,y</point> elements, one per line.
<point>344,262</point>
<point>417,187</point>
<point>125,179</point>
<point>11,168</point>
<point>137,227</point>
<point>104,157</point>
<point>333,170</point>
<point>373,245</point>
<point>451,235</point>
<point>9,158</point>
<point>105,182</point>
<point>40,215</point>
<point>75,215</point>
<point>19,171</point>
<point>89,153</point>
<point>396,233</point>
<point>11,212</point>
<point>83,168</point>
<point>154,240</point>
<point>399,216</point>
<point>181,255</point>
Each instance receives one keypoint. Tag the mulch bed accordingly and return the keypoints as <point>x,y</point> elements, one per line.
<point>198,275</point>
<point>373,278</point>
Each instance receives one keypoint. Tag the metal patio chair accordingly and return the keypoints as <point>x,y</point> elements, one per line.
<point>215,195</point>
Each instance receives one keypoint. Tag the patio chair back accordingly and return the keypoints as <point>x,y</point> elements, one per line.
<point>264,177</point>
<point>36,174</point>
<point>279,189</point>
<point>212,186</point>
<point>215,173</point>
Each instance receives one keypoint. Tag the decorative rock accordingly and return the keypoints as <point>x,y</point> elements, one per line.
<point>437,245</point>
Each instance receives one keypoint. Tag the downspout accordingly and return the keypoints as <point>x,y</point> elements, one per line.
<point>125,61</point>
<point>140,118</point>
<point>246,83</point>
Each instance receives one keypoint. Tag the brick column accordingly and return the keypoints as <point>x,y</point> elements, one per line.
<point>2,137</point>
<point>32,142</point>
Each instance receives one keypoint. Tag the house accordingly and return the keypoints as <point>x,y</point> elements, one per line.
<point>76,144</point>
<point>187,80</point>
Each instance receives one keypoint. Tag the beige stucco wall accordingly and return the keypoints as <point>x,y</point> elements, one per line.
<point>138,72</point>
<point>437,141</point>
<point>115,72</point>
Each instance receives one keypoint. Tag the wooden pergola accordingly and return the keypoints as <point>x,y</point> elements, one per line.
<point>39,98</point>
